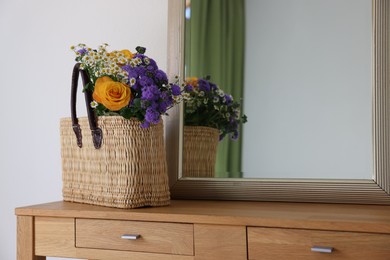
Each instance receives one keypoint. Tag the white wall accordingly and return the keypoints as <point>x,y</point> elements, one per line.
<point>35,72</point>
<point>307,89</point>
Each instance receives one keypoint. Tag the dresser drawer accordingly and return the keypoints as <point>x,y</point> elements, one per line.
<point>297,244</point>
<point>154,237</point>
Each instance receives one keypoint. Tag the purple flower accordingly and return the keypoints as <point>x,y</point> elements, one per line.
<point>150,68</point>
<point>153,64</point>
<point>229,99</point>
<point>138,55</point>
<point>161,76</point>
<point>131,71</point>
<point>213,86</point>
<point>132,74</point>
<point>163,107</point>
<point>150,61</point>
<point>145,124</point>
<point>127,68</point>
<point>234,136</point>
<point>136,86</point>
<point>203,85</point>
<point>152,116</point>
<point>164,96</point>
<point>166,102</point>
<point>232,121</point>
<point>141,71</point>
<point>155,105</point>
<point>152,104</point>
<point>145,81</point>
<point>188,88</point>
<point>151,93</point>
<point>82,51</point>
<point>175,90</point>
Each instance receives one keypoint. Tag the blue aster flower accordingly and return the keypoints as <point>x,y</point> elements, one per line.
<point>203,85</point>
<point>82,51</point>
<point>152,116</point>
<point>163,107</point>
<point>161,76</point>
<point>141,71</point>
<point>145,81</point>
<point>229,99</point>
<point>153,64</point>
<point>136,86</point>
<point>213,86</point>
<point>234,136</point>
<point>151,93</point>
<point>165,103</point>
<point>175,90</point>
<point>127,68</point>
<point>150,61</point>
<point>145,124</point>
<point>150,68</point>
<point>188,88</point>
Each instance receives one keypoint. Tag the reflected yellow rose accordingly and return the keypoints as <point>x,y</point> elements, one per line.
<point>193,81</point>
<point>112,94</point>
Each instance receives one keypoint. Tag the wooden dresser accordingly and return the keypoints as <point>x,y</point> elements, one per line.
<point>189,229</point>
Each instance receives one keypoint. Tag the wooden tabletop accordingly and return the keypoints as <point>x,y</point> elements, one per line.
<point>339,217</point>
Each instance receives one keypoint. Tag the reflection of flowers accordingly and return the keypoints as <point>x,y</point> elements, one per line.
<point>127,84</point>
<point>207,105</point>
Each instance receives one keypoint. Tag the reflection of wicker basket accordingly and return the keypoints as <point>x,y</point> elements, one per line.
<point>128,171</point>
<point>200,151</point>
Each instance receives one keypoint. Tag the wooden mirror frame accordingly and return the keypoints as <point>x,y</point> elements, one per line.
<point>374,191</point>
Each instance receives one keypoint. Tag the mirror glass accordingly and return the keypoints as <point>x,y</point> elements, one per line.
<point>301,70</point>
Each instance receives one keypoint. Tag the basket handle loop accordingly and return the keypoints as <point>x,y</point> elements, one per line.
<point>96,132</point>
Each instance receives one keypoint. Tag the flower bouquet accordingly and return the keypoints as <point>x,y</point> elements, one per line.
<point>122,163</point>
<point>209,116</point>
<point>127,84</point>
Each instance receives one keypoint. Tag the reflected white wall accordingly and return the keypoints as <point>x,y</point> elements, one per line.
<point>307,89</point>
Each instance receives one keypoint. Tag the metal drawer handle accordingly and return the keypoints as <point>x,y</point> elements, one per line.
<point>322,249</point>
<point>130,236</point>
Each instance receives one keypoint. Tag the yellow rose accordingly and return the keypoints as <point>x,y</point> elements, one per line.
<point>112,94</point>
<point>127,54</point>
<point>192,81</point>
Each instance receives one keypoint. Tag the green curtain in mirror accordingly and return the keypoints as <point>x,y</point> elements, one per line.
<point>215,37</point>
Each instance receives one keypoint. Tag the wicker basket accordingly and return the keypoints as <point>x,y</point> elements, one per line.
<point>112,161</point>
<point>128,171</point>
<point>199,151</point>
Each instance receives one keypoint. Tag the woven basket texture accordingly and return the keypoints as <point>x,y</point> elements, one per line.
<point>128,171</point>
<point>200,145</point>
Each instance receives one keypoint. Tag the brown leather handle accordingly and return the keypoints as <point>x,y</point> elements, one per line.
<point>97,135</point>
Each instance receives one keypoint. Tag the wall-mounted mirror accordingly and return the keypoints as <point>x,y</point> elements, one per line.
<point>312,79</point>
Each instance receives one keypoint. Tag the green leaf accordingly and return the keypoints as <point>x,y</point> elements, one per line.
<point>137,102</point>
<point>140,50</point>
<point>88,87</point>
<point>244,119</point>
<point>126,112</point>
<point>101,110</point>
